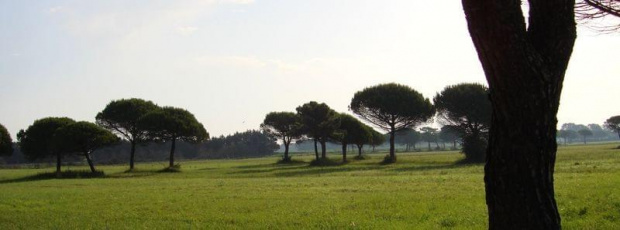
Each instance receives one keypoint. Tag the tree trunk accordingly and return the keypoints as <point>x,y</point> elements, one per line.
<point>373,146</point>
<point>525,70</point>
<point>133,153</point>
<point>316,151</point>
<point>174,144</point>
<point>58,164</point>
<point>286,144</point>
<point>323,149</point>
<point>392,154</point>
<point>90,162</point>
<point>359,150</point>
<point>584,140</point>
<point>429,146</point>
<point>344,152</point>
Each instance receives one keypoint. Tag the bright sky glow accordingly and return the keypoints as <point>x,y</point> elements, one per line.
<point>230,62</point>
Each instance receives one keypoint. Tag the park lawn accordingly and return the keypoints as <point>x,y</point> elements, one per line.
<point>420,191</point>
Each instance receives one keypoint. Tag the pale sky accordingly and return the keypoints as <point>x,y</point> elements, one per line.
<point>230,62</point>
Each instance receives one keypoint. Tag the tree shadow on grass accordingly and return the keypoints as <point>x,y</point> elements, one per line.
<point>52,175</point>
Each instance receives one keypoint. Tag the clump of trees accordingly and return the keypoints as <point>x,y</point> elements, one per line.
<point>319,123</point>
<point>392,107</point>
<point>465,108</point>
<point>251,143</point>
<point>6,143</point>
<point>36,142</point>
<point>82,138</point>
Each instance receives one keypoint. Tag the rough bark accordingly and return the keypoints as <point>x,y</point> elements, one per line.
<point>525,68</point>
<point>172,148</point>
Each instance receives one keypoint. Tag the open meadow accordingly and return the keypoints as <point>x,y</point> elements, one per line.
<point>421,191</point>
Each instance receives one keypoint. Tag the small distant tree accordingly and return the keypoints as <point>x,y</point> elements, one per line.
<point>285,126</point>
<point>319,122</point>
<point>6,143</point>
<point>84,138</point>
<point>585,133</point>
<point>122,117</point>
<point>172,124</point>
<point>429,135</point>
<point>466,108</point>
<point>613,124</point>
<point>362,137</point>
<point>392,107</point>
<point>449,134</point>
<point>351,131</point>
<point>408,137</point>
<point>377,139</point>
<point>36,142</point>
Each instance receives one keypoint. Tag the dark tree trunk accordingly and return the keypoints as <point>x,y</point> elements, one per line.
<point>316,151</point>
<point>429,146</point>
<point>373,146</point>
<point>344,152</point>
<point>90,162</point>
<point>286,144</point>
<point>131,157</point>
<point>392,154</point>
<point>525,69</point>
<point>323,149</point>
<point>58,164</point>
<point>174,144</point>
<point>359,150</point>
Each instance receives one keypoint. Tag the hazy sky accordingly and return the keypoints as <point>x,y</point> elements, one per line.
<point>230,62</point>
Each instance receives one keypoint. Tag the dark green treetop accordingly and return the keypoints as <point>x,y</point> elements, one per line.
<point>6,143</point>
<point>122,116</point>
<point>465,106</point>
<point>170,123</point>
<point>37,140</point>
<point>82,137</point>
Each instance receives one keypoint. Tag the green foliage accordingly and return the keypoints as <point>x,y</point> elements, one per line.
<point>6,143</point>
<point>170,123</point>
<point>613,124</point>
<point>449,134</point>
<point>285,126</point>
<point>82,137</point>
<point>392,107</point>
<point>422,191</point>
<point>319,121</point>
<point>122,117</point>
<point>466,108</point>
<point>377,138</point>
<point>36,141</point>
<point>251,143</point>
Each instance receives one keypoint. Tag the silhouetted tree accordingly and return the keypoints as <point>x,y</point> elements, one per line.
<point>584,134</point>
<point>251,143</point>
<point>613,124</point>
<point>82,137</point>
<point>449,134</point>
<point>351,131</point>
<point>587,10</point>
<point>172,124</point>
<point>122,116</point>
<point>567,135</point>
<point>285,126</point>
<point>524,64</point>
<point>319,122</point>
<point>392,107</point>
<point>466,107</point>
<point>6,143</point>
<point>408,137</point>
<point>377,139</point>
<point>36,141</point>
<point>430,135</point>
<point>598,132</point>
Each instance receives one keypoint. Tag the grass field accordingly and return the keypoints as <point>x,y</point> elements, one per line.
<point>421,191</point>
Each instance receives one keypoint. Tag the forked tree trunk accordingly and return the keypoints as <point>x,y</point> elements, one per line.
<point>525,69</point>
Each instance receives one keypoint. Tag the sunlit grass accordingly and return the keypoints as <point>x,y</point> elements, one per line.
<point>420,191</point>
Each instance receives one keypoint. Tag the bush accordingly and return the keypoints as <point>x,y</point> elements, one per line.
<point>475,149</point>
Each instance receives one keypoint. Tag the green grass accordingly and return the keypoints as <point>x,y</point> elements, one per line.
<point>420,191</point>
